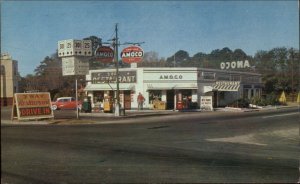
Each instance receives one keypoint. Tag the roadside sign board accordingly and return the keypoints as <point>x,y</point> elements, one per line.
<point>104,54</point>
<point>206,103</point>
<point>74,66</point>
<point>74,48</point>
<point>132,54</point>
<point>33,105</point>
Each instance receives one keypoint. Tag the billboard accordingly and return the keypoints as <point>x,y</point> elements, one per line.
<point>74,48</point>
<point>33,105</point>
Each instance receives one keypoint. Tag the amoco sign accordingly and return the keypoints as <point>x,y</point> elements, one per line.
<point>234,64</point>
<point>132,54</point>
<point>104,54</point>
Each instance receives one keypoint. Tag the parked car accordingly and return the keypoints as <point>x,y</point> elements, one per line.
<point>66,103</point>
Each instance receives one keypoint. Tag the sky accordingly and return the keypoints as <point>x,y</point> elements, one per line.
<point>30,30</point>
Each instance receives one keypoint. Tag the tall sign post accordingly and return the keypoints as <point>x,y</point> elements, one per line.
<point>75,55</point>
<point>133,54</point>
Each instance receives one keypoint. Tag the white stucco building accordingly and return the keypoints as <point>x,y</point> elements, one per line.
<point>177,87</point>
<point>9,79</point>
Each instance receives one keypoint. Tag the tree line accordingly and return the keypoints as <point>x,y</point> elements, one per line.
<point>280,68</point>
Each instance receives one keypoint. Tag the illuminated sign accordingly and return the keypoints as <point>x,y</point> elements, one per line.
<point>234,64</point>
<point>33,105</point>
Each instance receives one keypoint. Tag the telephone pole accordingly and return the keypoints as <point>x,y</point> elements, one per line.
<point>116,45</point>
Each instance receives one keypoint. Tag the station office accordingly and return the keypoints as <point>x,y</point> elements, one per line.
<point>173,86</point>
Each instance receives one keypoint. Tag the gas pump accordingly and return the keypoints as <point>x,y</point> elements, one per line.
<point>108,104</point>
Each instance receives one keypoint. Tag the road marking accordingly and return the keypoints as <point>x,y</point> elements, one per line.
<point>280,115</point>
<point>241,139</point>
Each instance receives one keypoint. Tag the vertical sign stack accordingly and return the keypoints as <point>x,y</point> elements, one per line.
<point>75,55</point>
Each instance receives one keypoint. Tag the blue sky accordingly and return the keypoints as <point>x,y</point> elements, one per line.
<point>30,30</point>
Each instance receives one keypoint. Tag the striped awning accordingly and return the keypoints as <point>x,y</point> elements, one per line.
<point>226,86</point>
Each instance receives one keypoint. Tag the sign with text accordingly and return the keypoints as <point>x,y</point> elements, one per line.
<point>74,48</point>
<point>234,64</point>
<point>74,66</point>
<point>110,77</point>
<point>33,105</point>
<point>206,103</point>
<point>104,54</point>
<point>132,54</point>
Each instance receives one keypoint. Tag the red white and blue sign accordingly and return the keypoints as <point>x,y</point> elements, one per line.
<point>132,54</point>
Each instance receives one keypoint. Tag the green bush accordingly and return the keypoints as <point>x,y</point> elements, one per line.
<point>240,103</point>
<point>270,99</point>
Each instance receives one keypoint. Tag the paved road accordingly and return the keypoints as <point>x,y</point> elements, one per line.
<point>183,148</point>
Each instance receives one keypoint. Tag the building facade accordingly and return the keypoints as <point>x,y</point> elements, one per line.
<point>176,88</point>
<point>9,79</point>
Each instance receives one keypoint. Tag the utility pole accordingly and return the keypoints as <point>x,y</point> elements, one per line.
<point>116,44</point>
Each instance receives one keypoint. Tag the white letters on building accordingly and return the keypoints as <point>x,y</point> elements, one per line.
<point>234,65</point>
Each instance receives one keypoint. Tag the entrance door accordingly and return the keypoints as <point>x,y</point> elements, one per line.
<point>127,100</point>
<point>215,99</point>
<point>170,99</point>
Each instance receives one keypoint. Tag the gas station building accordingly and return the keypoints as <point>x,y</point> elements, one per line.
<point>172,88</point>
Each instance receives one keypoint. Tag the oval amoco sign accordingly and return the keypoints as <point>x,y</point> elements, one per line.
<point>104,54</point>
<point>132,54</point>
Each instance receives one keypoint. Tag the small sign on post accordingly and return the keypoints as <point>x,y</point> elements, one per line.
<point>206,103</point>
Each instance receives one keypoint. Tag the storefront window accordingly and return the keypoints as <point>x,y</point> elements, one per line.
<point>252,93</point>
<point>235,77</point>
<point>98,96</point>
<point>222,95</point>
<point>208,75</point>
<point>257,93</point>
<point>154,95</point>
<point>245,93</point>
<point>223,77</point>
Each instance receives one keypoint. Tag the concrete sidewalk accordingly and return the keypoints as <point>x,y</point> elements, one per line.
<point>95,117</point>
<point>91,117</point>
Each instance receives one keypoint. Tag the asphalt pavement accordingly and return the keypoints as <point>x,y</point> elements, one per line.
<point>70,116</point>
<point>184,147</point>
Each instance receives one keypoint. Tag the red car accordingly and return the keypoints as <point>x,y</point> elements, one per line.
<point>66,103</point>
